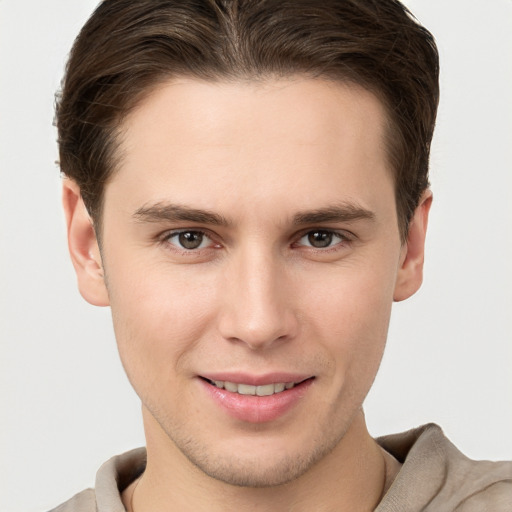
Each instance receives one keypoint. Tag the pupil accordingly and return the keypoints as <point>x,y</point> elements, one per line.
<point>190,239</point>
<point>320,238</point>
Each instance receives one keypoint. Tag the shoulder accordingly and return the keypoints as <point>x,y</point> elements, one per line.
<point>84,501</point>
<point>111,479</point>
<point>498,496</point>
<point>436,476</point>
<point>479,485</point>
<point>471,485</point>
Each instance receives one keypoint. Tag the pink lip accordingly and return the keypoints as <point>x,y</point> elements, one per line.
<point>256,380</point>
<point>256,409</point>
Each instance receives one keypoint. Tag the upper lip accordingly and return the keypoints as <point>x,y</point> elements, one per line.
<point>256,380</point>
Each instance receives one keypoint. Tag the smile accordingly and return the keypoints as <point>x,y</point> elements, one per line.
<point>256,399</point>
<point>248,389</point>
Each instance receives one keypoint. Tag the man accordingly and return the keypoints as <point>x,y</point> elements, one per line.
<point>247,189</point>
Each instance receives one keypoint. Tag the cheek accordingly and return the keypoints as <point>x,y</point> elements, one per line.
<point>352,296</point>
<point>353,317</point>
<point>159,316</point>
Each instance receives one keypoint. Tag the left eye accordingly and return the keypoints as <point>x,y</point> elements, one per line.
<point>189,240</point>
<point>321,239</point>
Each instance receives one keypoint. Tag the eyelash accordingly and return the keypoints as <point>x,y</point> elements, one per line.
<point>170,235</point>
<point>343,237</point>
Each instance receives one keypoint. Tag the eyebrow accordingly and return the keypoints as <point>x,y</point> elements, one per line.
<point>163,212</point>
<point>343,212</point>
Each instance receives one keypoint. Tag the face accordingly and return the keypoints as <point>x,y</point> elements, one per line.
<point>251,251</point>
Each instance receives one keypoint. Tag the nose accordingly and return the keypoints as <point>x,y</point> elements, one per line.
<point>257,301</point>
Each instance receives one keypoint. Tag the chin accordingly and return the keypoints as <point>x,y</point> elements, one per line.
<point>256,473</point>
<point>268,466</point>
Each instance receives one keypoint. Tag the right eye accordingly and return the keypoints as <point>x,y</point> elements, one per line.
<point>189,240</point>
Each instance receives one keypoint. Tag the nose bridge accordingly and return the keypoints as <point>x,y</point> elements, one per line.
<point>257,308</point>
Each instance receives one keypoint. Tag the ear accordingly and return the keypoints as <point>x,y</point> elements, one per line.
<point>410,272</point>
<point>83,246</point>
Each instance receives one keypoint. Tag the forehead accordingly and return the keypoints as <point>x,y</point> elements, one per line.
<point>296,109</point>
<point>191,140</point>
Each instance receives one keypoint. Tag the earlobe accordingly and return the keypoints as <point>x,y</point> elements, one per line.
<point>410,272</point>
<point>83,246</point>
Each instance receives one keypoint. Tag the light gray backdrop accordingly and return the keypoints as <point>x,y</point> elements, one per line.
<point>65,404</point>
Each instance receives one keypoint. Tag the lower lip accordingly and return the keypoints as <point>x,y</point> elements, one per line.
<point>257,409</point>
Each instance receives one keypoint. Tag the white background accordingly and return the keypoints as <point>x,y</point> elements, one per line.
<point>65,404</point>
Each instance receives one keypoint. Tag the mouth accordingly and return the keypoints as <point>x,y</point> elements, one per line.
<point>249,389</point>
<point>252,399</point>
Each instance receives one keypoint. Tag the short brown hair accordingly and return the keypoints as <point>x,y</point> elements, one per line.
<point>127,47</point>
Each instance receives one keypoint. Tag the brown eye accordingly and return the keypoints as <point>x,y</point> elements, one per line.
<point>188,240</point>
<point>320,239</point>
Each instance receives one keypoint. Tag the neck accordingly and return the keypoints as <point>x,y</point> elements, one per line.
<point>353,477</point>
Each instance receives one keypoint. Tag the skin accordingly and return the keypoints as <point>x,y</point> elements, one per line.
<point>257,296</point>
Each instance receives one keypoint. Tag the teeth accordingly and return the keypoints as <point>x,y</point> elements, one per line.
<point>267,390</point>
<point>231,386</point>
<point>247,389</point>
<point>279,387</point>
